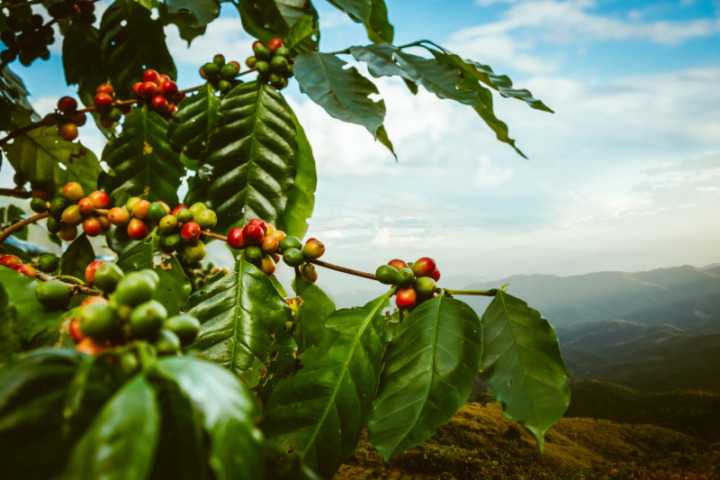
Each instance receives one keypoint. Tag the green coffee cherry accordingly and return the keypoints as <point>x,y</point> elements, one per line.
<point>48,262</point>
<point>53,294</point>
<point>147,319</point>
<point>135,288</point>
<point>107,276</point>
<point>186,327</point>
<point>290,242</point>
<point>293,257</point>
<point>195,252</point>
<point>156,211</point>
<point>405,277</point>
<point>386,274</point>
<point>167,343</point>
<point>205,218</point>
<point>99,321</point>
<point>168,224</point>
<point>38,205</point>
<point>184,215</point>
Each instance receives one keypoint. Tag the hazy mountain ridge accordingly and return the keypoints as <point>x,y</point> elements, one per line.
<point>686,297</point>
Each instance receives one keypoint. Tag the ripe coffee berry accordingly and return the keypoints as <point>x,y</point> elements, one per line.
<point>424,267</point>
<point>253,234</point>
<point>91,269</point>
<point>103,102</point>
<point>67,105</point>
<point>190,232</point>
<point>235,238</point>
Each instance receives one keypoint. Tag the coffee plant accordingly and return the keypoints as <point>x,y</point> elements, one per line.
<point>130,356</point>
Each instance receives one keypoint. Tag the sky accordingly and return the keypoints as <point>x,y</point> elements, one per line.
<point>624,176</point>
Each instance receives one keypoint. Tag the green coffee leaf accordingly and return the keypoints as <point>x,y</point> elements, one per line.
<point>522,365</point>
<point>318,414</point>
<point>428,374</point>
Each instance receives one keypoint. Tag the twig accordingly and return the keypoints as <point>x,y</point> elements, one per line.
<point>75,288</point>
<point>15,192</point>
<point>338,268</point>
<point>485,293</point>
<point>20,225</point>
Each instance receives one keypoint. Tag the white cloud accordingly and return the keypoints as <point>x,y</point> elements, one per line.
<point>510,41</point>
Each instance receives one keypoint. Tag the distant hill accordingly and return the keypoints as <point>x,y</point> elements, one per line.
<point>648,357</point>
<point>686,297</point>
<point>480,443</point>
<point>695,413</point>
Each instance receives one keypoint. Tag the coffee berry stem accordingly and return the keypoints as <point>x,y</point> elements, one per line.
<point>20,225</point>
<point>216,236</point>
<point>14,192</point>
<point>338,268</point>
<point>76,289</point>
<point>485,293</point>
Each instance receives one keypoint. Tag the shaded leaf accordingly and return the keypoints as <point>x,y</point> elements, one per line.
<point>45,158</point>
<point>247,163</point>
<point>428,374</point>
<point>120,443</point>
<point>39,326</point>
<point>318,414</point>
<point>34,392</point>
<point>194,122</point>
<point>357,10</point>
<point>340,90</point>
<point>244,324</point>
<point>132,41</point>
<point>228,413</point>
<point>311,312</point>
<point>141,161</point>
<point>301,197</point>
<point>268,19</point>
<point>9,339</point>
<point>82,60</point>
<point>522,365</point>
<point>204,11</point>
<point>77,257</point>
<point>378,26</point>
<point>185,22</point>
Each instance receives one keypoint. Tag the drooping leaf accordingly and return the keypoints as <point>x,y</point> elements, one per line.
<point>246,171</point>
<point>194,122</point>
<point>132,41</point>
<point>303,35</point>
<point>339,89</point>
<point>244,325</point>
<point>82,60</point>
<point>310,313</point>
<point>204,11</point>
<point>45,158</point>
<point>228,413</point>
<point>357,10</point>
<point>444,79</point>
<point>276,18</point>
<point>301,197</point>
<point>428,374</point>
<point>121,440</point>
<point>39,326</point>
<point>141,160</point>
<point>486,75</point>
<point>77,257</point>
<point>318,414</point>
<point>184,20</point>
<point>15,95</point>
<point>34,393</point>
<point>378,26</point>
<point>522,365</point>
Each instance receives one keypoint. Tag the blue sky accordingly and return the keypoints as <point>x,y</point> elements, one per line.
<point>625,176</point>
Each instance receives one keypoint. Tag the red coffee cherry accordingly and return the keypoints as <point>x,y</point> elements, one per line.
<point>91,269</point>
<point>235,238</point>
<point>67,105</point>
<point>253,234</point>
<point>136,229</point>
<point>406,298</point>
<point>190,232</point>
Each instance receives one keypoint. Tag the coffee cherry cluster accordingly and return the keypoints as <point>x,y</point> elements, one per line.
<point>221,75</point>
<point>180,230</point>
<point>159,92</point>
<point>298,255</point>
<point>76,10</point>
<point>128,313</point>
<point>261,243</point>
<point>138,216</point>
<point>72,209</point>
<point>110,110</point>
<point>26,40</point>
<point>415,281</point>
<point>68,118</point>
<point>272,62</point>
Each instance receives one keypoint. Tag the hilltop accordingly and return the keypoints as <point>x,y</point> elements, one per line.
<point>480,443</point>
